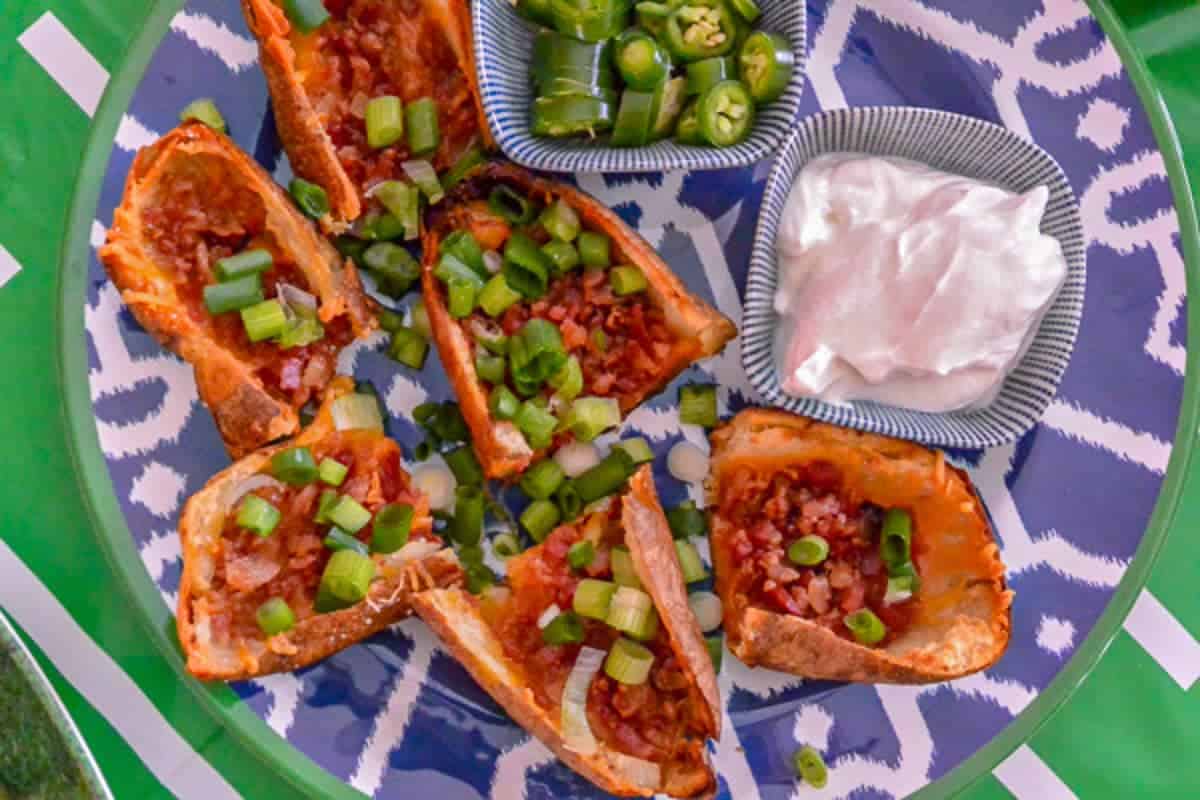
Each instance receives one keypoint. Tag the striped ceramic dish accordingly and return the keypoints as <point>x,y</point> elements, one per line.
<point>957,144</point>
<point>503,47</point>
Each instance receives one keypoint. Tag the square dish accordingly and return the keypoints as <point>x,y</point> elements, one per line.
<point>503,49</point>
<point>952,143</point>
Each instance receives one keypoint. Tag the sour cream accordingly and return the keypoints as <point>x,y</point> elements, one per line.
<point>905,285</point>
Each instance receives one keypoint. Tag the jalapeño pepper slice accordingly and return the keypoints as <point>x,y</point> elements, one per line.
<point>590,20</point>
<point>765,64</point>
<point>557,87</point>
<point>653,15</point>
<point>700,29</point>
<point>746,9</point>
<point>567,115</point>
<point>668,103</point>
<point>642,61</point>
<point>558,56</point>
<point>633,120</point>
<point>726,113</point>
<point>687,129</point>
<point>537,11</point>
<point>703,75</point>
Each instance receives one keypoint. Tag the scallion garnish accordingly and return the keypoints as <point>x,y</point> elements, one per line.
<point>592,598</point>
<point>309,198</point>
<point>542,480</point>
<point>347,577</point>
<point>566,628</point>
<point>539,519</point>
<point>623,570</point>
<point>503,404</point>
<point>581,555</point>
<point>686,520</point>
<point>698,405</point>
<point>561,221</point>
<point>390,529</point>
<point>295,466</point>
<point>233,295</point>
<point>206,111</point>
<point>409,348</point>
<point>867,628</point>
<point>349,515</point>
<point>464,465</point>
<point>689,562</point>
<point>594,249</point>
<point>258,515</point>
<point>384,120</point>
<point>605,478</point>
<point>332,472</point>
<point>275,616</point>
<point>808,551</point>
<point>265,320</point>
<point>337,539</point>
<point>421,119</point>
<point>628,662</point>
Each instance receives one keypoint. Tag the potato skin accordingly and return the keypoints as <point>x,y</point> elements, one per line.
<point>248,416</point>
<point>313,639</point>
<point>502,451</point>
<point>969,623</point>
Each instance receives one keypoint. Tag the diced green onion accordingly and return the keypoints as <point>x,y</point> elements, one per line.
<point>409,348</point>
<point>591,416</point>
<point>505,546</point>
<point>275,616</point>
<point>895,543</point>
<point>390,529</point>
<point>404,202</point>
<point>605,478</point>
<point>503,404</point>
<point>536,353</point>
<point>328,500</point>
<point>380,226</point>
<point>568,381</point>
<point>563,256</point>
<point>594,249</point>
<point>421,119</point>
<point>561,221</point>
<point>337,539</point>
<point>247,263</point>
<point>419,320</point>
<point>309,198</point>
<point>542,480</point>
<point>581,555</point>
<point>357,412</point>
<point>468,161</point>
<point>592,598</point>
<point>332,472</point>
<point>422,173</point>
<point>867,628</point>
<point>394,268</point>
<point>465,247</point>
<point>467,528</point>
<point>307,15</point>
<point>627,280</point>
<point>698,405</point>
<point>489,334</point>
<point>716,650</point>
<point>526,267</point>
<point>628,662</point>
<point>566,628</point>
<point>351,247</point>
<point>443,419</point>
<point>349,515</point>
<point>899,589</point>
<point>686,520</point>
<point>511,206</point>
<point>258,515</point>
<point>808,551</point>
<point>638,450</point>
<point>539,519</point>
<point>569,503</point>
<point>206,111</point>
<point>689,562</point>
<point>263,321</point>
<point>624,573</point>
<point>234,295</point>
<point>479,577</point>
<point>600,340</point>
<point>631,611</point>
<point>536,423</point>
<point>811,767</point>
<point>301,331</point>
<point>294,466</point>
<point>497,296</point>
<point>465,466</point>
<point>491,369</point>
<point>348,576</point>
<point>461,299</point>
<point>385,121</point>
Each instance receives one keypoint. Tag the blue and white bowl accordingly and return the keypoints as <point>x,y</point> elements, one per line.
<point>953,143</point>
<point>504,46</point>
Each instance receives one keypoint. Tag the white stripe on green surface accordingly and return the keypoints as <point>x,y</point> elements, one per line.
<point>1029,778</point>
<point>110,691</point>
<point>66,60</point>
<point>1166,639</point>
<point>8,266</point>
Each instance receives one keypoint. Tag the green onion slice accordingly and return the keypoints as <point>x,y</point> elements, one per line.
<point>391,527</point>
<point>594,249</point>
<point>503,404</point>
<point>593,597</point>
<point>542,480</point>
<point>689,562</point>
<point>385,121</point>
<point>245,264</point>
<point>490,369</point>
<point>536,423</point>
<point>328,500</point>
<point>265,320</point>
<point>686,520</point>
<point>632,611</point>
<point>867,628</point>
<point>563,256</point>
<point>698,405</point>
<point>233,295</point>
<point>422,173</point>
<point>497,296</point>
<point>421,119</point>
<point>566,628</point>
<point>295,466</point>
<point>348,576</point>
<point>275,616</point>
<point>539,519</point>
<point>638,450</point>
<point>568,381</point>
<point>900,588</point>
<point>505,546</point>
<point>628,662</point>
<point>337,539</point>
<point>349,515</point>
<point>561,221</point>
<point>513,207</point>
<point>536,352</point>
<point>627,280</point>
<point>206,111</point>
<point>895,543</point>
<point>409,348</point>
<point>258,515</point>
<point>526,267</point>
<point>307,15</point>
<point>465,466</point>
<point>332,471</point>
<point>591,416</point>
<point>581,555</point>
<point>811,767</point>
<point>467,528</point>
<point>468,161</point>
<point>808,551</point>
<point>357,412</point>
<point>309,198</point>
<point>716,650</point>
<point>569,503</point>
<point>624,573</point>
<point>605,478</point>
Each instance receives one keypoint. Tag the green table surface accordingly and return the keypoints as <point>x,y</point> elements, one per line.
<point>1128,731</point>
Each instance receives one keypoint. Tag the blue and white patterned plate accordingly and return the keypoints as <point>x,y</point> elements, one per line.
<point>963,146</point>
<point>398,718</point>
<point>504,46</point>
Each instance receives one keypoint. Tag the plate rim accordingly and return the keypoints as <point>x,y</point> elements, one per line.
<point>110,531</point>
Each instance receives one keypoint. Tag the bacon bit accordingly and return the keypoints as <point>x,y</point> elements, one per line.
<point>603,384</point>
<point>248,572</point>
<point>819,594</point>
<point>782,575</point>
<point>785,601</point>
<point>871,564</point>
<point>766,533</point>
<point>574,335</point>
<point>358,487</point>
<point>628,700</point>
<point>853,598</point>
<point>841,576</point>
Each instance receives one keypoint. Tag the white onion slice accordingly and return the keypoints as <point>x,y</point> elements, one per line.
<point>235,493</point>
<point>357,412</point>
<point>577,733</point>
<point>706,606</point>
<point>493,261</point>
<point>425,177</point>
<point>549,615</point>
<point>637,771</point>
<point>414,551</point>
<point>438,484</point>
<point>577,458</point>
<point>296,297</point>
<point>687,462</point>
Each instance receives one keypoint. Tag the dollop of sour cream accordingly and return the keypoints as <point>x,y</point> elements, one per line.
<point>905,285</point>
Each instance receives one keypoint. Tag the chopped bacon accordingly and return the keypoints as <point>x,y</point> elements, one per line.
<point>574,335</point>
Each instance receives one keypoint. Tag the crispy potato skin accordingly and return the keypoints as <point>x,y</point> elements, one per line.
<point>455,617</point>
<point>312,639</point>
<point>502,451</point>
<point>247,414</point>
<point>964,624</point>
<point>309,148</point>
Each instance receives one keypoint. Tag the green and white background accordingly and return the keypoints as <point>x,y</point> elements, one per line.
<point>1128,731</point>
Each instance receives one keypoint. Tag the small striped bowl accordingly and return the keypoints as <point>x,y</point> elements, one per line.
<point>956,144</point>
<point>503,47</point>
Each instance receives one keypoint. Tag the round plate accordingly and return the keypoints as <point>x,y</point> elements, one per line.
<point>1070,500</point>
